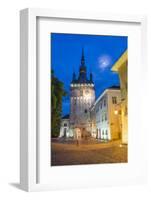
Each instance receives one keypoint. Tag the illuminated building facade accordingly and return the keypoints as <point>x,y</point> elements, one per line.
<point>106,123</point>
<point>121,68</point>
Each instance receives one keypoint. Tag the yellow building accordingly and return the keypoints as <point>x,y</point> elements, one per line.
<point>121,68</point>
<point>106,124</point>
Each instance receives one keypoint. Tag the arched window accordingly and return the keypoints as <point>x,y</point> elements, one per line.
<point>85,111</point>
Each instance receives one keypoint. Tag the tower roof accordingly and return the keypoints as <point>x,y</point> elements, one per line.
<point>82,78</point>
<point>82,66</point>
<point>82,58</point>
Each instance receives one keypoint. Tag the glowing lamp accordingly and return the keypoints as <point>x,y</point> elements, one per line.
<point>115,112</point>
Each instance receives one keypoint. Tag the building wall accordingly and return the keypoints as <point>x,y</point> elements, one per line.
<point>107,123</point>
<point>124,122</point>
<point>102,127</point>
<point>121,68</point>
<point>124,102</point>
<point>93,122</point>
<point>114,114</point>
<point>65,130</point>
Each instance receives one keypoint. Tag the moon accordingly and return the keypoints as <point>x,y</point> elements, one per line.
<point>104,61</point>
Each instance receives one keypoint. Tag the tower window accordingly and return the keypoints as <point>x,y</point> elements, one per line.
<point>85,111</point>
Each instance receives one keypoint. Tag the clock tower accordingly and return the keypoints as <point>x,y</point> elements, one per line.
<point>82,97</point>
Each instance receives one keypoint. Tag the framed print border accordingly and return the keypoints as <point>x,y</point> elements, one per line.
<point>29,83</point>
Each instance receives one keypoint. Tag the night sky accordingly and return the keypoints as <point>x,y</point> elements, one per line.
<point>100,52</point>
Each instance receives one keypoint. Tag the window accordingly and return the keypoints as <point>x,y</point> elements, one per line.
<point>102,118</point>
<point>65,132</point>
<point>97,109</point>
<point>106,132</point>
<point>104,102</point>
<point>85,111</point>
<point>65,124</point>
<point>114,100</point>
<point>105,117</point>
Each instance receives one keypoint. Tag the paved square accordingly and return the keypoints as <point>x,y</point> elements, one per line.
<point>66,152</point>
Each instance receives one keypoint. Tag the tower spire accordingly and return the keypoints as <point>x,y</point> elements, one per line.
<point>82,58</point>
<point>82,70</point>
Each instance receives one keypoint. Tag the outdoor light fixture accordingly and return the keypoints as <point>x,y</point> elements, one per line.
<point>115,112</point>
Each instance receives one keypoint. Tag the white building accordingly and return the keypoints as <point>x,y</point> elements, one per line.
<point>106,123</point>
<point>65,127</point>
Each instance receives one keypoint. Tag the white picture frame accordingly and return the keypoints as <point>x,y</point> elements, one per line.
<point>29,149</point>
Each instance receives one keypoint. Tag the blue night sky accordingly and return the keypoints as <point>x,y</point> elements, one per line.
<point>100,52</point>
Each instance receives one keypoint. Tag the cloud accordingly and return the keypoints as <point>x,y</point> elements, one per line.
<point>104,62</point>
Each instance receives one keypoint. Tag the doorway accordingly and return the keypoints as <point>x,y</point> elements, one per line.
<point>65,132</point>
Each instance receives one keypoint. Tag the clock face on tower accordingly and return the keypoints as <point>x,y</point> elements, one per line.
<point>87,92</point>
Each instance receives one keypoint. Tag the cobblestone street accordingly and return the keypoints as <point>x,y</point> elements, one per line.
<point>87,152</point>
